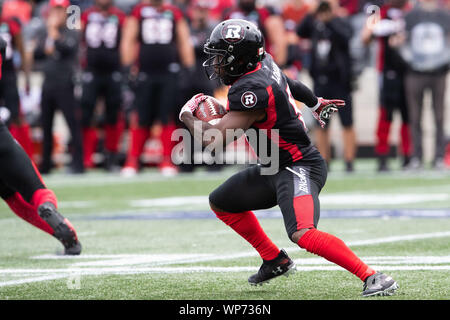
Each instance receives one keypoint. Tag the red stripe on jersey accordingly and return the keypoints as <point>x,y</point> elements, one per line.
<point>271,113</point>
<point>258,66</point>
<point>292,148</point>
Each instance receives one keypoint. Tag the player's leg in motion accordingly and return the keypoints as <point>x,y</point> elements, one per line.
<point>298,189</point>
<point>22,188</point>
<point>232,203</point>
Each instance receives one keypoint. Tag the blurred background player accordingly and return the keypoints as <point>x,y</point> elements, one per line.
<point>330,70</point>
<point>57,46</point>
<point>11,33</point>
<point>268,21</point>
<point>23,189</point>
<point>101,26</point>
<point>426,49</point>
<point>392,90</point>
<point>162,35</point>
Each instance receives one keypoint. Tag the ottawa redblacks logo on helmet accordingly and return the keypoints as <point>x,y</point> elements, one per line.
<point>233,33</point>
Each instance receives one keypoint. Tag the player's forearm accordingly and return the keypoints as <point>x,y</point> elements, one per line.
<point>302,93</point>
<point>198,128</point>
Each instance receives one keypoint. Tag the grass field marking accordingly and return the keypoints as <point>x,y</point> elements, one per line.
<point>410,237</point>
<point>30,280</point>
<point>115,260</point>
<point>302,261</point>
<point>66,273</point>
<point>169,201</point>
<point>325,199</point>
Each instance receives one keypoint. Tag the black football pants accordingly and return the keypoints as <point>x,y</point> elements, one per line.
<point>17,172</point>
<point>295,189</point>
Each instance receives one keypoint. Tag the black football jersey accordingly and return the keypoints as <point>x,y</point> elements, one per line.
<point>102,33</point>
<point>266,87</point>
<point>157,35</point>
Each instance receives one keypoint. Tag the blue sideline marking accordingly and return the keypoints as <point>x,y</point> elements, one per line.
<point>334,214</point>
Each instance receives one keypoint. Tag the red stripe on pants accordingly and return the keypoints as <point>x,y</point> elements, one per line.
<point>304,211</point>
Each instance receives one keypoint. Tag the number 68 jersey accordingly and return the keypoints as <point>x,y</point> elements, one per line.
<point>101,37</point>
<point>157,36</point>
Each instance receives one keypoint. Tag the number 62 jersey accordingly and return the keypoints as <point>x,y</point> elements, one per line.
<point>101,37</point>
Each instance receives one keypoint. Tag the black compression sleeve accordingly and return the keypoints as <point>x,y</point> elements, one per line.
<point>302,93</point>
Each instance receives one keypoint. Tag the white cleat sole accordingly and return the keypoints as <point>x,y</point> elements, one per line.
<point>386,292</point>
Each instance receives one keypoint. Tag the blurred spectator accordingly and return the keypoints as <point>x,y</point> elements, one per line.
<point>268,21</point>
<point>101,26</point>
<point>217,8</point>
<point>11,33</point>
<point>427,52</point>
<point>20,9</point>
<point>125,5</point>
<point>58,47</point>
<point>348,7</point>
<point>331,71</point>
<point>392,69</point>
<point>293,12</point>
<point>163,35</point>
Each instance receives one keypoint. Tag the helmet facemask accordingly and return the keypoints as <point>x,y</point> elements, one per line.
<point>221,64</point>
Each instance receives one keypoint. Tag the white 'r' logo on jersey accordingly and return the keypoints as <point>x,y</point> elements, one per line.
<point>249,99</point>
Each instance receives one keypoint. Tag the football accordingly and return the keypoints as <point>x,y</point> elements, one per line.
<point>210,110</point>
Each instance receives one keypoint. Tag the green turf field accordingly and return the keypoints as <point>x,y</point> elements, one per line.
<point>151,237</point>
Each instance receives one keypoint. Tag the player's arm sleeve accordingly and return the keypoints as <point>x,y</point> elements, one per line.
<point>245,98</point>
<point>302,93</point>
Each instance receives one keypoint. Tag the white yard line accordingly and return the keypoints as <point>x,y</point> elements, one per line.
<point>122,259</point>
<point>159,263</point>
<point>31,280</point>
<point>69,273</point>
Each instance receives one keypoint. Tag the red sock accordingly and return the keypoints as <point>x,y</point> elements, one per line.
<point>89,145</point>
<point>43,195</point>
<point>335,250</point>
<point>166,141</point>
<point>383,127</point>
<point>27,212</point>
<point>405,141</point>
<point>138,136</point>
<point>248,227</point>
<point>112,136</point>
<point>22,134</point>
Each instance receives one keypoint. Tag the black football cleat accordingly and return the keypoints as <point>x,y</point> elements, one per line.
<point>379,284</point>
<point>281,265</point>
<point>63,230</point>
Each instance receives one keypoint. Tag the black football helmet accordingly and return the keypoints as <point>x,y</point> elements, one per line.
<point>234,48</point>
